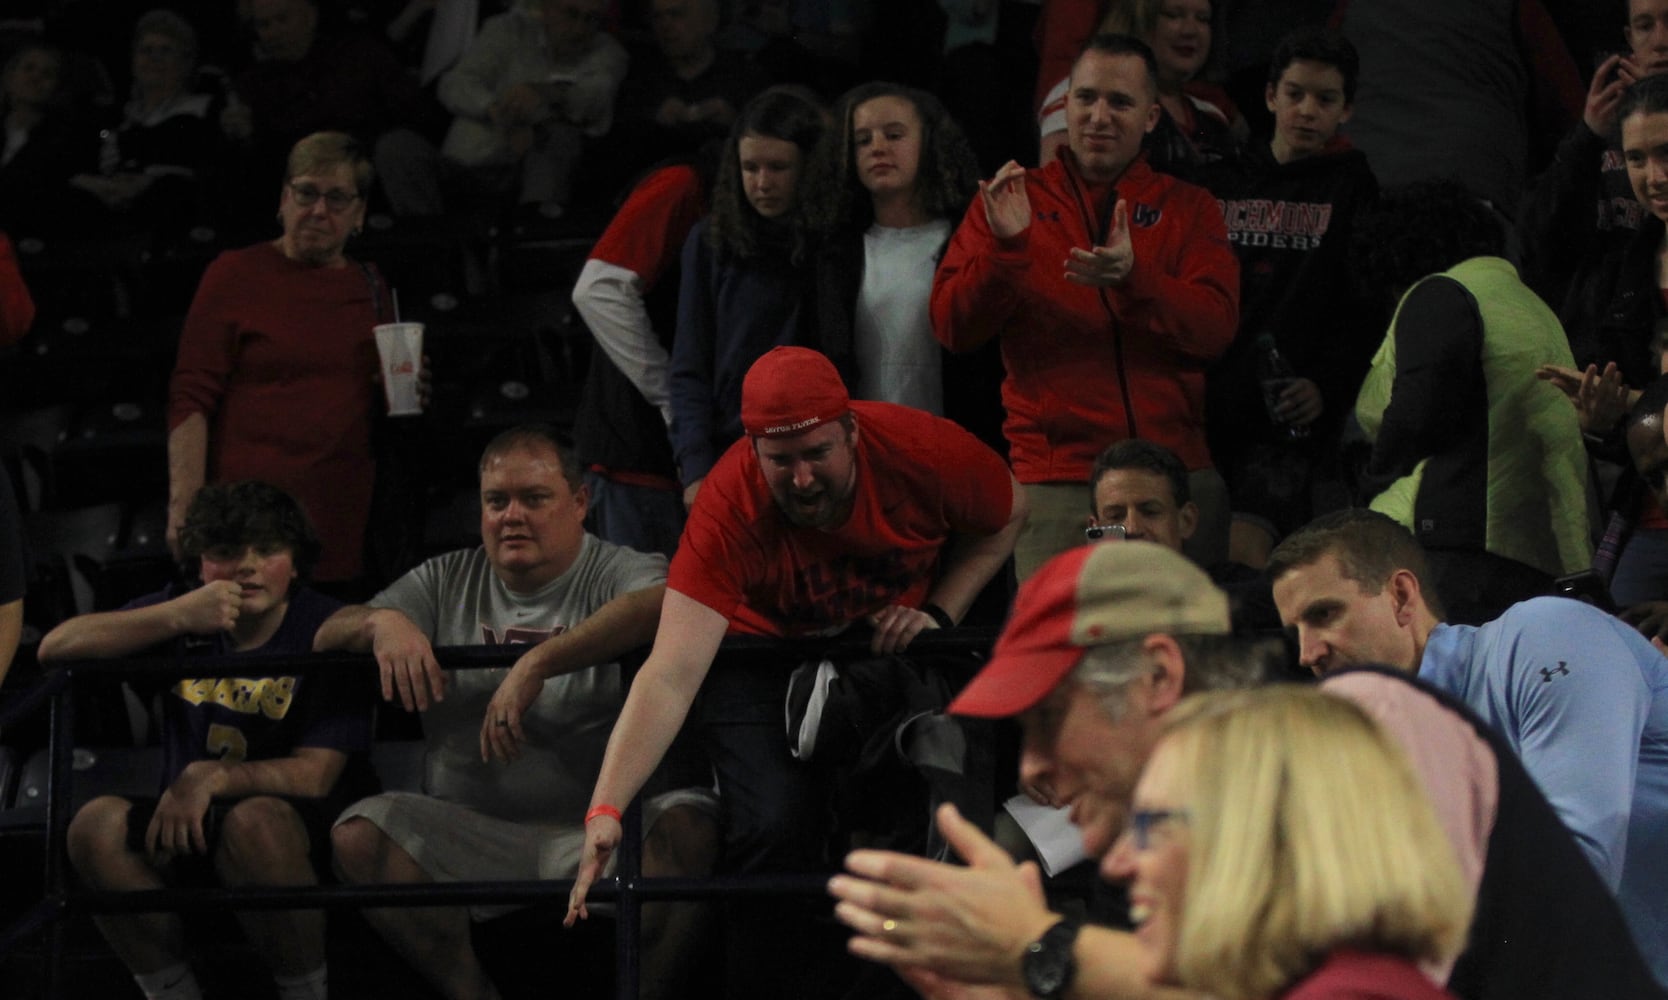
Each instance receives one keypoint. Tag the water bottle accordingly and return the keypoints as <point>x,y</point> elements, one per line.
<point>1275,373</point>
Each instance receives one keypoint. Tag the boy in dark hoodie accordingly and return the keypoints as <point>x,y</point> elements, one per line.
<point>1289,204</point>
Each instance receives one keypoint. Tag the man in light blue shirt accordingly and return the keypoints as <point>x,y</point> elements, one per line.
<point>1580,696</point>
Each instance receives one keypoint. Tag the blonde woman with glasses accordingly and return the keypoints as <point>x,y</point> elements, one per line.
<point>1282,849</point>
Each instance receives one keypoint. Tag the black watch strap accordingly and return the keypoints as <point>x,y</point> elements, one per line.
<point>1047,965</point>
<point>939,616</point>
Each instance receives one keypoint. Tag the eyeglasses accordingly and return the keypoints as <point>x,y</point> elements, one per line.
<point>1142,821</point>
<point>1106,532</point>
<point>306,195</point>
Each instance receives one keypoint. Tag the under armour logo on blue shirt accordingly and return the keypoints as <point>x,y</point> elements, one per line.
<point>1547,673</point>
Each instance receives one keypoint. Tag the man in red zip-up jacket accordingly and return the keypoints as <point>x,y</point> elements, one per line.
<point>1111,286</point>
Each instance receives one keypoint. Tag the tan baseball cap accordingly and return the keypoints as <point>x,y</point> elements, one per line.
<point>1090,596</point>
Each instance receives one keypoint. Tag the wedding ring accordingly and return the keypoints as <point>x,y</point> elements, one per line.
<point>888,925</point>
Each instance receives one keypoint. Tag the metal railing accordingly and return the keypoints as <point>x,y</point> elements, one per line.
<point>628,889</point>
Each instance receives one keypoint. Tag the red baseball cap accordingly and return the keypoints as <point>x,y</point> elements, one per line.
<point>1090,596</point>
<point>791,390</point>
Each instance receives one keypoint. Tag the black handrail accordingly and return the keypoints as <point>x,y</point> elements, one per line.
<point>628,889</point>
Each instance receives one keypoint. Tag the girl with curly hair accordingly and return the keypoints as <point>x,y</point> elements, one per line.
<point>889,184</point>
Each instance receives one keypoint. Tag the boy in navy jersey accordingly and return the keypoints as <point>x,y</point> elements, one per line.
<point>255,768</point>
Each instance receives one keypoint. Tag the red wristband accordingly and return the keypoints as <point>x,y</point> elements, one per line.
<point>596,811</point>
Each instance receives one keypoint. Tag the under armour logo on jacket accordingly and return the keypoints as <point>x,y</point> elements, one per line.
<point>1547,673</point>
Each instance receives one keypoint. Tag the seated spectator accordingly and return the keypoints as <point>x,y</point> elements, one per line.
<point>276,366</point>
<point>1469,449</point>
<point>1290,204</point>
<point>1288,782</point>
<point>1198,124</point>
<point>534,87</point>
<point>39,151</point>
<point>1582,698</point>
<point>150,164</point>
<point>682,93</point>
<point>1138,491</point>
<point>255,768</point>
<point>745,284</point>
<point>305,81</point>
<point>885,193</point>
<point>510,753</point>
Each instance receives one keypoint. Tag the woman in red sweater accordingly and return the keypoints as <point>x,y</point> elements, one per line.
<point>275,378</point>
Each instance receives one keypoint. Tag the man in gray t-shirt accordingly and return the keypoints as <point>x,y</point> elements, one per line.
<point>511,753</point>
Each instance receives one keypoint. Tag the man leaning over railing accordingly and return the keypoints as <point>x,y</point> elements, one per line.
<point>829,512</point>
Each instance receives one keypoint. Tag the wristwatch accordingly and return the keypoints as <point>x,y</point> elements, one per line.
<point>1047,965</point>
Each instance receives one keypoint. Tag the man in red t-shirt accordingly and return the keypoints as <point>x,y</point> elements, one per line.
<point>829,512</point>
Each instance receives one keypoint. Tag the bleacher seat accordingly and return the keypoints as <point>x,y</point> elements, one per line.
<point>9,769</point>
<point>125,771</point>
<point>117,451</point>
<point>538,278</point>
<point>27,440</point>
<point>170,272</point>
<point>71,360</point>
<point>492,370</point>
<point>425,259</point>
<point>398,764</point>
<point>142,563</point>
<point>66,280</point>
<point>68,550</point>
<point>453,521</point>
